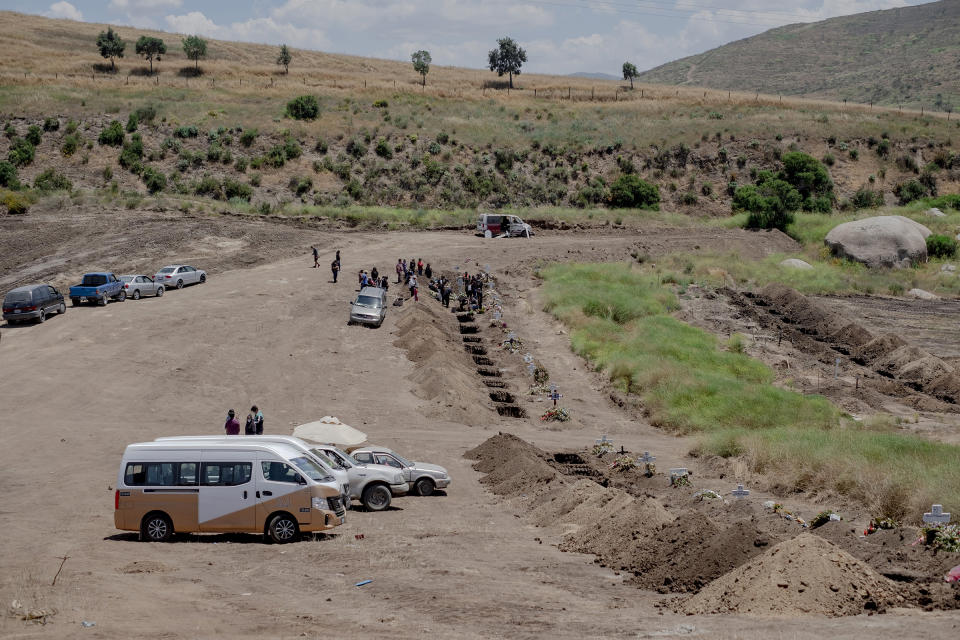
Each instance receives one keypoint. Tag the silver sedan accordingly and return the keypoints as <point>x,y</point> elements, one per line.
<point>141,285</point>
<point>180,275</point>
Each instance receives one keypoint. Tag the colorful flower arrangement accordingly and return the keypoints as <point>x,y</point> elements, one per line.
<point>823,518</point>
<point>555,415</point>
<point>953,575</point>
<point>603,448</point>
<point>707,494</point>
<point>944,537</point>
<point>880,523</point>
<point>624,463</point>
<point>680,481</point>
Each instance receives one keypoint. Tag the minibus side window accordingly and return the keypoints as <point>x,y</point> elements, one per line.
<point>160,474</point>
<point>279,472</point>
<point>150,474</point>
<point>188,474</point>
<point>226,474</point>
<point>135,474</point>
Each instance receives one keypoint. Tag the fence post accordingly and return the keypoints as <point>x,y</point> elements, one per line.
<point>591,93</point>
<point>568,93</point>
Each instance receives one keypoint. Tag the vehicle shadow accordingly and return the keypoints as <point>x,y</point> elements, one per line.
<point>220,538</point>
<point>359,508</point>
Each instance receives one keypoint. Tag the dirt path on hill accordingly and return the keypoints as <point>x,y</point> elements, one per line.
<point>80,387</point>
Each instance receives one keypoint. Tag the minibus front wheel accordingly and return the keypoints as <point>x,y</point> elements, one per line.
<point>156,527</point>
<point>283,528</point>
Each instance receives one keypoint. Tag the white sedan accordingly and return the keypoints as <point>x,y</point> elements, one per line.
<point>179,275</point>
<point>141,285</point>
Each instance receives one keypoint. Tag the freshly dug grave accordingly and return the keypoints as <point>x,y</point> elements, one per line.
<point>802,576</point>
<point>513,466</point>
<point>887,354</point>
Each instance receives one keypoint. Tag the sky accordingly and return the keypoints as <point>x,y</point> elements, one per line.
<point>560,36</point>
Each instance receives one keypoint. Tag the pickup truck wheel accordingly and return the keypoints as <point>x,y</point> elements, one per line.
<point>376,497</point>
<point>179,284</point>
<point>283,528</point>
<point>136,294</point>
<point>75,302</point>
<point>121,296</point>
<point>156,527</point>
<point>159,291</point>
<point>103,301</point>
<point>425,487</point>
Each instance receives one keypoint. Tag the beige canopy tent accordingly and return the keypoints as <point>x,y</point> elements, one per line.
<point>329,430</point>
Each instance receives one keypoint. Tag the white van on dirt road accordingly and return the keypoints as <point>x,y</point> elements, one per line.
<point>172,487</point>
<point>491,225</point>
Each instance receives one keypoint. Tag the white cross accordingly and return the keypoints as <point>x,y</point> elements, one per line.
<point>604,440</point>
<point>936,515</point>
<point>646,458</point>
<point>528,358</point>
<point>678,472</point>
<point>531,368</point>
<point>497,315</point>
<point>740,492</point>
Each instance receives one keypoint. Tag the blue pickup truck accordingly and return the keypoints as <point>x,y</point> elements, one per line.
<point>98,288</point>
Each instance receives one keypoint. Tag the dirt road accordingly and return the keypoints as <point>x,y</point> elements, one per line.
<point>80,387</point>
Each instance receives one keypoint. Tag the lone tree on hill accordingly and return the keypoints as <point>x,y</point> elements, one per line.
<point>111,46</point>
<point>507,58</point>
<point>151,48</point>
<point>421,63</point>
<point>284,58</point>
<point>630,72</point>
<point>195,48</point>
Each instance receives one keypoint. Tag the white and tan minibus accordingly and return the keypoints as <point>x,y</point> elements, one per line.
<point>216,487</point>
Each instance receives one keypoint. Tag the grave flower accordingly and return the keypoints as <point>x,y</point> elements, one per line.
<point>953,575</point>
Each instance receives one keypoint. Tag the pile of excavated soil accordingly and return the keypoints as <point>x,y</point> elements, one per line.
<point>802,576</point>
<point>444,374</point>
<point>888,354</point>
<point>513,466</point>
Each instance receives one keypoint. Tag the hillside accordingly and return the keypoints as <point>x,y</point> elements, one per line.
<point>906,56</point>
<point>380,139</point>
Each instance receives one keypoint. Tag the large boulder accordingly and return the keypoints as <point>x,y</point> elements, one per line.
<point>882,241</point>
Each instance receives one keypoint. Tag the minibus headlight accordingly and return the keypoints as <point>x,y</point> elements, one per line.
<point>318,503</point>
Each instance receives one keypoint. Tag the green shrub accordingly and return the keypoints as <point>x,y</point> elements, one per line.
<point>50,180</point>
<point>107,174</point>
<point>303,108</point>
<point>255,180</point>
<point>207,186</point>
<point>806,174</point>
<point>907,163</point>
<point>503,159</point>
<point>630,191</point>
<point>300,184</point>
<point>145,114</point>
<point>8,176</point>
<point>186,131</point>
<point>233,189</point>
<point>689,198</point>
<point>941,246</point>
<point>71,142</point>
<point>354,189</point>
<point>154,179</point>
<point>383,149</point>
<point>432,171</point>
<point>248,137</point>
<point>909,191</point>
<point>380,104</point>
<point>321,146</point>
<point>291,149</point>
<point>132,123</point>
<point>71,126</point>
<point>214,152</point>
<point>818,204</point>
<point>829,160</point>
<point>276,157</point>
<point>434,148</point>
<point>241,164</point>
<point>854,154</point>
<point>770,203</point>
<point>356,148</point>
<point>51,124</point>
<point>132,154</point>
<point>443,138</point>
<point>866,199</point>
<point>34,135</point>
<point>16,204</point>
<point>21,152</point>
<point>113,135</point>
<point>883,148</point>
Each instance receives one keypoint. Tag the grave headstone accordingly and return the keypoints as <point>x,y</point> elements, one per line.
<point>936,515</point>
<point>740,492</point>
<point>679,472</point>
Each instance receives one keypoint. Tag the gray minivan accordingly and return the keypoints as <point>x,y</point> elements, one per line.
<point>32,302</point>
<point>370,307</point>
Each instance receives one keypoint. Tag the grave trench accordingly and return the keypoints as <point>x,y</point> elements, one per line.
<point>573,464</point>
<point>475,350</point>
<point>465,317</point>
<point>469,329</point>
<point>502,396</point>
<point>483,361</point>
<point>471,339</point>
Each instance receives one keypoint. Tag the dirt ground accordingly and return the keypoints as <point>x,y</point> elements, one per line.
<point>80,387</point>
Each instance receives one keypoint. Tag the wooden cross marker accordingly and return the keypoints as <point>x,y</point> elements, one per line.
<point>740,492</point>
<point>936,515</point>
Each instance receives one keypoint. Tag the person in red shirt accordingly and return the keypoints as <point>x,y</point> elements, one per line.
<point>232,425</point>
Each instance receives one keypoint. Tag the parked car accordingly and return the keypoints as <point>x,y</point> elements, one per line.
<point>502,225</point>
<point>423,477</point>
<point>141,285</point>
<point>180,275</point>
<point>98,287</point>
<point>32,302</point>
<point>372,484</point>
<point>370,307</point>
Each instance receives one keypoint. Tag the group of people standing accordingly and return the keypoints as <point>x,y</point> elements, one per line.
<point>253,427</point>
<point>373,279</point>
<point>407,273</point>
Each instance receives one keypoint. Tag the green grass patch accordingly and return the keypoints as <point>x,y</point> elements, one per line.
<point>620,320</point>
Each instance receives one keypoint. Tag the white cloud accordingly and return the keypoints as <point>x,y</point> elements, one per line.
<point>64,10</point>
<point>144,6</point>
<point>263,30</point>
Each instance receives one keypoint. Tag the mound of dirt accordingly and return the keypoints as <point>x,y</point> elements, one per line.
<point>802,576</point>
<point>513,466</point>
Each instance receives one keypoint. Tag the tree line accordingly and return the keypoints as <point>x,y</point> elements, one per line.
<point>507,59</point>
